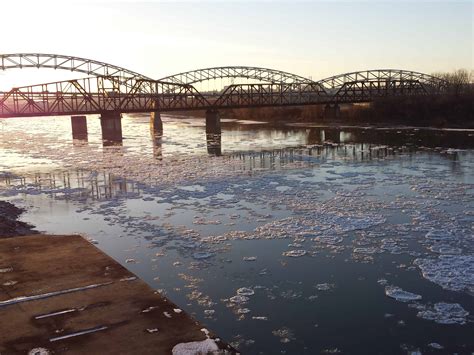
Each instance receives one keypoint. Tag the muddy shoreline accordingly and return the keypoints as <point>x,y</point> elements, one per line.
<point>10,226</point>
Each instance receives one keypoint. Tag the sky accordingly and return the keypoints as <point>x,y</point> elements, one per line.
<point>315,39</point>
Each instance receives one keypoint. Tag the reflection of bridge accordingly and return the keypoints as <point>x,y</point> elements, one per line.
<point>112,90</point>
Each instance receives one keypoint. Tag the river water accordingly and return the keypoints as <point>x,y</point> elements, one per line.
<point>292,239</point>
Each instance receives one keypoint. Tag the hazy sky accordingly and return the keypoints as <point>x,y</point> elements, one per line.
<point>317,39</point>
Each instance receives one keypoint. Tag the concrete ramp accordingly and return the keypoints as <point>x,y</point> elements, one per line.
<point>60,294</point>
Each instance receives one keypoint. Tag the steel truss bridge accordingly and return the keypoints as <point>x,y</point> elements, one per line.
<point>110,88</point>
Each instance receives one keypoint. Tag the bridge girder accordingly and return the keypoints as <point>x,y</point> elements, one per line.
<point>256,73</point>
<point>380,75</point>
<point>99,94</point>
<point>65,62</point>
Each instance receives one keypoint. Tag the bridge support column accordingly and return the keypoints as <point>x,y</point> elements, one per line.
<point>79,127</point>
<point>111,124</point>
<point>332,111</point>
<point>332,135</point>
<point>156,124</point>
<point>213,132</point>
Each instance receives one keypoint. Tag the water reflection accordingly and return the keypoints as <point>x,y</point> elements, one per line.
<point>213,142</point>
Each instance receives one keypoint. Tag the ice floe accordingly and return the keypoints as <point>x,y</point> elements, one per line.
<point>445,313</point>
<point>401,295</point>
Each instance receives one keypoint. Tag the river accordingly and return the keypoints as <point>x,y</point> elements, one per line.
<point>294,239</point>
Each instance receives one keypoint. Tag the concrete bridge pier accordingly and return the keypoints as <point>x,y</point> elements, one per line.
<point>156,124</point>
<point>79,127</point>
<point>332,111</point>
<point>213,132</point>
<point>332,135</point>
<point>111,124</point>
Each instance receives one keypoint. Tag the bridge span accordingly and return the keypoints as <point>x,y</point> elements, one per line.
<point>112,90</point>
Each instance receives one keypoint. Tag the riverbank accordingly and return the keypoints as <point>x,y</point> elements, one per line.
<point>10,226</point>
<point>447,111</point>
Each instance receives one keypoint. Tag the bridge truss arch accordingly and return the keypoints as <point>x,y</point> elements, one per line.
<point>429,82</point>
<point>265,75</point>
<point>58,61</point>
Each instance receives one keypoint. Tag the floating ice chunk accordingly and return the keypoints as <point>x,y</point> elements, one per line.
<point>202,255</point>
<point>245,291</point>
<point>259,318</point>
<point>439,235</point>
<point>209,312</point>
<point>328,239</point>
<point>243,311</point>
<point>39,351</point>
<point>177,310</point>
<point>445,249</point>
<point>239,299</point>
<point>436,346</point>
<point>207,346</point>
<point>249,258</point>
<point>452,272</point>
<point>382,282</point>
<point>445,313</point>
<point>284,333</point>
<point>324,286</point>
<point>128,261</point>
<point>295,253</point>
<point>400,295</point>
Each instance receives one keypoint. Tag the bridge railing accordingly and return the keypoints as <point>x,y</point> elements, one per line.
<point>248,95</point>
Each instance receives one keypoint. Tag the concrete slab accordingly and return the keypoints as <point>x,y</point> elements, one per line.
<point>80,301</point>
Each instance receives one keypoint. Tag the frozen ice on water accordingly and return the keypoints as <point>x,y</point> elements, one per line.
<point>324,286</point>
<point>439,235</point>
<point>243,311</point>
<point>239,299</point>
<point>401,295</point>
<point>295,253</point>
<point>245,291</point>
<point>436,346</point>
<point>203,255</point>
<point>284,333</point>
<point>452,272</point>
<point>442,248</point>
<point>39,351</point>
<point>209,312</point>
<point>445,313</point>
<point>207,346</point>
<point>328,239</point>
